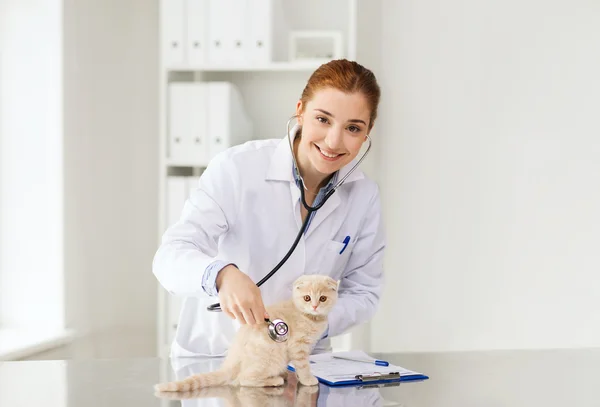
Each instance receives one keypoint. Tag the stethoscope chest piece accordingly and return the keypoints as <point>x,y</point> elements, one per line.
<point>278,330</point>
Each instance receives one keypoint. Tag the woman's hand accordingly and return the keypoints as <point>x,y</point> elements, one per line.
<point>239,297</point>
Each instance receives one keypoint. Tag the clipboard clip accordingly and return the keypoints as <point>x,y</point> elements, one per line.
<point>377,376</point>
<point>378,385</point>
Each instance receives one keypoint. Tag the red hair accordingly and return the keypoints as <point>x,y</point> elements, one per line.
<point>346,76</point>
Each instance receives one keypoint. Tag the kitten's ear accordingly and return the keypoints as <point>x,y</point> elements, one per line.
<point>300,282</point>
<point>332,284</point>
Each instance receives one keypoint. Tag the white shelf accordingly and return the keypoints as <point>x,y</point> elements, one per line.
<point>296,66</point>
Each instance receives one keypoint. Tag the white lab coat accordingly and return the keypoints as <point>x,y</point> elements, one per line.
<point>246,210</point>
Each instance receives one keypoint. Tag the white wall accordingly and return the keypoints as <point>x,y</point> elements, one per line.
<point>490,175</point>
<point>111,108</point>
<point>31,217</point>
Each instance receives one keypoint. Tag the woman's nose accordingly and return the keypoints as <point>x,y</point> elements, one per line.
<point>334,138</point>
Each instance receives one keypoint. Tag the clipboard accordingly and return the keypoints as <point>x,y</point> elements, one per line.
<point>342,372</point>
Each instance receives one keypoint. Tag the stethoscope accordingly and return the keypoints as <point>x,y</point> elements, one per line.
<point>277,329</point>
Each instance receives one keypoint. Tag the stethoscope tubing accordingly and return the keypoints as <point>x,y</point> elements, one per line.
<point>217,307</point>
<point>310,209</point>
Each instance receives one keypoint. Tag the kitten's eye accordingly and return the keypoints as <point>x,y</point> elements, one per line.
<point>307,298</point>
<point>323,298</point>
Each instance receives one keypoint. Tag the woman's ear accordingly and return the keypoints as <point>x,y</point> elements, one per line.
<point>299,111</point>
<point>370,126</point>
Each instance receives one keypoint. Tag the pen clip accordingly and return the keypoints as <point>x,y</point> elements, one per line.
<point>346,241</point>
<point>377,376</point>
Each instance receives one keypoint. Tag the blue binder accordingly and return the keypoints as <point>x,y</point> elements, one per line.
<point>333,371</point>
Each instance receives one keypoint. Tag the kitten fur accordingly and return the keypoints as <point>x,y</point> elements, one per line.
<point>255,360</point>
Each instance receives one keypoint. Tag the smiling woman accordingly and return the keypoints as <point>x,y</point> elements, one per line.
<point>336,112</point>
<point>220,234</point>
<point>331,138</point>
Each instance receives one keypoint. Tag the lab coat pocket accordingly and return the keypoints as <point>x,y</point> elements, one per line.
<point>204,333</point>
<point>335,258</point>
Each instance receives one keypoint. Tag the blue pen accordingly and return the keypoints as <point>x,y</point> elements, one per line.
<point>376,361</point>
<point>346,241</point>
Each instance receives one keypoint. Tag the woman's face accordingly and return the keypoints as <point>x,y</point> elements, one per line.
<point>334,126</point>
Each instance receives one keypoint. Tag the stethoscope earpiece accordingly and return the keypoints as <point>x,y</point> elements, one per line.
<point>278,330</point>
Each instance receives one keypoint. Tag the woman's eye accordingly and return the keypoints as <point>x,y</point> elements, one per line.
<point>354,129</point>
<point>323,298</point>
<point>322,119</point>
<point>307,298</point>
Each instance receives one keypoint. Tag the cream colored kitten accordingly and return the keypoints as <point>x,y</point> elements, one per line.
<point>255,360</point>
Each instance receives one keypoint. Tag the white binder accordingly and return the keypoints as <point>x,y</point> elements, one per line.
<point>172,32</point>
<point>188,124</point>
<point>222,33</point>
<point>179,101</point>
<point>217,32</point>
<point>199,120</point>
<point>237,33</point>
<point>260,32</point>
<point>197,31</point>
<point>228,36</point>
<point>205,118</point>
<point>229,123</point>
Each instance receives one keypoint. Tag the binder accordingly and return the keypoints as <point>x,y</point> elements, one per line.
<point>187,131</point>
<point>229,123</point>
<point>260,32</point>
<point>226,31</point>
<point>172,32</point>
<point>332,371</point>
<point>197,32</point>
<point>205,118</point>
<point>236,33</point>
<point>198,142</point>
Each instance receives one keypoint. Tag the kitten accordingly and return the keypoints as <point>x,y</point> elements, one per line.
<point>255,360</point>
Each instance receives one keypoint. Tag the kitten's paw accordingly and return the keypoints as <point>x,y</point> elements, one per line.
<point>309,380</point>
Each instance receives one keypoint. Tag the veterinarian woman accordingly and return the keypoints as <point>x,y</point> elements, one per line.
<point>246,212</point>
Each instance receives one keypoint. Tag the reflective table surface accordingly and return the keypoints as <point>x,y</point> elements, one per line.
<point>499,378</point>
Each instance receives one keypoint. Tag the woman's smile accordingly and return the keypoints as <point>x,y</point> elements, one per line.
<point>328,155</point>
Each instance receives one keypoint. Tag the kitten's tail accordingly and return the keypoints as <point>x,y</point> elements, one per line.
<point>197,381</point>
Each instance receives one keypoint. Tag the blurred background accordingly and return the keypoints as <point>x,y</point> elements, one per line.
<point>486,150</point>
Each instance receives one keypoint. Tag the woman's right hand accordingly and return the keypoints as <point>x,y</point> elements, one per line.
<point>239,297</point>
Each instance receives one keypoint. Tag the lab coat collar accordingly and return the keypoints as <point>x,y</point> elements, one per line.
<point>281,167</point>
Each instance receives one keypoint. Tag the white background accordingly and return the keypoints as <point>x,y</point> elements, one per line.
<point>491,175</point>
<point>487,153</point>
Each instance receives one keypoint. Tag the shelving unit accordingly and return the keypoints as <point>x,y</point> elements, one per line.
<point>296,66</point>
<point>244,43</point>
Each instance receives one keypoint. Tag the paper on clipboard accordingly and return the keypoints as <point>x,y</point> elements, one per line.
<point>333,370</point>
